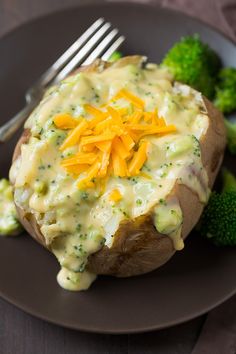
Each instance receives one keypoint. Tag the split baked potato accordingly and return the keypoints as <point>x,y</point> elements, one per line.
<point>123,201</point>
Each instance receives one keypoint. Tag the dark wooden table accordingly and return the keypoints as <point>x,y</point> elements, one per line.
<point>22,334</point>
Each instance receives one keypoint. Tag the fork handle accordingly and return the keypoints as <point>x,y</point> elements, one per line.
<point>10,128</point>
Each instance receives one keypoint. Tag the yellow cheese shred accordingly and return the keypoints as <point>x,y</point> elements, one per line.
<point>111,141</point>
<point>115,195</point>
<point>74,137</point>
<point>138,159</point>
<point>65,121</point>
<point>136,101</point>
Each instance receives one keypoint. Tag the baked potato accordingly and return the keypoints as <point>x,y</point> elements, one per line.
<point>114,168</point>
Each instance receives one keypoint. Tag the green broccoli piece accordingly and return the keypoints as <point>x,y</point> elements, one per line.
<point>194,63</point>
<point>9,224</point>
<point>218,221</point>
<point>115,56</point>
<point>231,135</point>
<point>225,99</point>
<point>229,181</point>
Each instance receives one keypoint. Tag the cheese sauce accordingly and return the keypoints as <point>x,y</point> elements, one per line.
<point>77,223</point>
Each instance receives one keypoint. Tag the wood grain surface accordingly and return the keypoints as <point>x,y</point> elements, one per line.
<point>22,334</point>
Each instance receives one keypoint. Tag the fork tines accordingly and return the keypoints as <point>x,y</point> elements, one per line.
<point>99,40</point>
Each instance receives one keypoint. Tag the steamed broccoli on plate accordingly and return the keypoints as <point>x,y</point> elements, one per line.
<point>194,63</point>
<point>231,135</point>
<point>225,99</point>
<point>218,221</point>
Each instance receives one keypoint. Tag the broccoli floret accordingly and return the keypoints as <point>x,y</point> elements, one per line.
<point>115,56</point>
<point>194,63</point>
<point>225,99</point>
<point>218,221</point>
<point>231,135</point>
<point>229,181</point>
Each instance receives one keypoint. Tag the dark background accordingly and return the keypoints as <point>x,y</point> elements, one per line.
<point>23,334</point>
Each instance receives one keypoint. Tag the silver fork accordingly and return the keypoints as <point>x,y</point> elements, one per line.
<point>97,41</point>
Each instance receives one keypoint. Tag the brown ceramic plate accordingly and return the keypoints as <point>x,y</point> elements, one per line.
<point>193,281</point>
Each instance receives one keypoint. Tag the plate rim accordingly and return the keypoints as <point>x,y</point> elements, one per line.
<point>96,330</point>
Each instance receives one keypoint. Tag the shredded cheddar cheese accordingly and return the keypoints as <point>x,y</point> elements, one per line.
<point>74,136</point>
<point>136,101</point>
<point>65,121</point>
<point>110,141</point>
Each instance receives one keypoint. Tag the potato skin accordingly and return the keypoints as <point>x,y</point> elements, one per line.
<point>137,247</point>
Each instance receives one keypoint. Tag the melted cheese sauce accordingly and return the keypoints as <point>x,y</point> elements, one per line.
<point>78,223</point>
